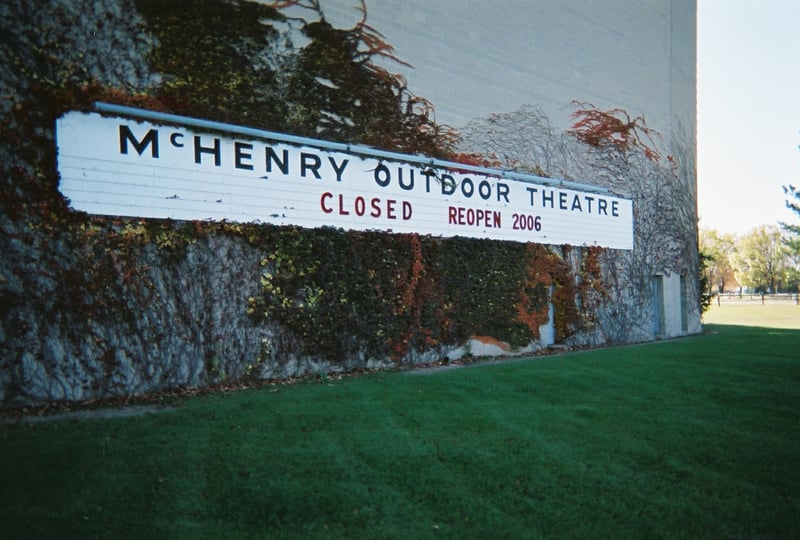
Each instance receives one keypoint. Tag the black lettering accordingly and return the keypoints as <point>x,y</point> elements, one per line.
<point>175,137</point>
<point>589,202</point>
<point>502,192</point>
<point>310,162</point>
<point>410,185</point>
<point>467,187</point>
<point>272,157</point>
<point>448,184</point>
<point>240,155</point>
<point>615,208</point>
<point>532,191</point>
<point>199,150</point>
<point>427,173</point>
<point>126,135</point>
<point>382,176</point>
<point>562,200</point>
<point>551,199</point>
<point>602,205</point>
<point>485,190</point>
<point>339,169</point>
<point>576,204</point>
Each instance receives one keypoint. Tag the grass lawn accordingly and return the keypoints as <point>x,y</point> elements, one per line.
<point>783,314</point>
<point>691,438</point>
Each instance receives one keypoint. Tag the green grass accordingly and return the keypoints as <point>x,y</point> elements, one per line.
<point>684,439</point>
<point>783,314</point>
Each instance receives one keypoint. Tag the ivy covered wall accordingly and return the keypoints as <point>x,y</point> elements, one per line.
<point>94,307</point>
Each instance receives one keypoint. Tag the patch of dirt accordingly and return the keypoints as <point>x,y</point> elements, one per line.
<point>85,414</point>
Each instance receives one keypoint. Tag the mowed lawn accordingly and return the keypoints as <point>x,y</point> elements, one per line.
<point>776,314</point>
<point>692,438</point>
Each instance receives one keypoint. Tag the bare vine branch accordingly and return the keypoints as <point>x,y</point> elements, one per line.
<point>614,127</point>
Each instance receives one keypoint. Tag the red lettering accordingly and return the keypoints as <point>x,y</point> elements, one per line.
<point>374,207</point>
<point>342,211</point>
<point>326,195</point>
<point>407,210</point>
<point>458,215</point>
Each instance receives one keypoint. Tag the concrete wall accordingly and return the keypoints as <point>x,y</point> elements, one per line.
<point>479,57</point>
<point>675,310</point>
<point>472,58</point>
<point>166,318</point>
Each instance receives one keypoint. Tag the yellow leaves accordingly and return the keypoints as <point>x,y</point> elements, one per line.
<point>251,306</point>
<point>135,231</point>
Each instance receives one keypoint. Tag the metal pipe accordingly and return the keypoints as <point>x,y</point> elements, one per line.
<point>358,149</point>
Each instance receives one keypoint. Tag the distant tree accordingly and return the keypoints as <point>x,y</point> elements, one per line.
<point>791,273</point>
<point>793,230</point>
<point>705,285</point>
<point>717,248</point>
<point>760,261</point>
<point>792,238</point>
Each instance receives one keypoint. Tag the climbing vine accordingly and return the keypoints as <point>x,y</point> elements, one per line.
<point>614,128</point>
<point>345,293</point>
<point>97,289</point>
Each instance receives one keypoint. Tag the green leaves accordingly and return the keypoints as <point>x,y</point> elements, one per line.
<point>214,59</point>
<point>234,61</point>
<point>363,293</point>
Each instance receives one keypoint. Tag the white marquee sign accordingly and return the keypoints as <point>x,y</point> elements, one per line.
<point>124,167</point>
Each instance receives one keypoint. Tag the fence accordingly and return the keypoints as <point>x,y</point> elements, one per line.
<point>740,297</point>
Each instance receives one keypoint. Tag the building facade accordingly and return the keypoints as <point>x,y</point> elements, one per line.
<point>96,305</point>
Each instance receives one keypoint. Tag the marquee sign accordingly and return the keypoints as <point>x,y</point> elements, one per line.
<point>125,167</point>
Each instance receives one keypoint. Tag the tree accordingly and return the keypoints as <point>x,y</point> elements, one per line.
<point>792,239</point>
<point>793,230</point>
<point>717,249</point>
<point>761,260</point>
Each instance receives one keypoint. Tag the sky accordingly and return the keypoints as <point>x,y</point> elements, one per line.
<point>748,103</point>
